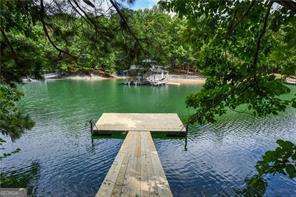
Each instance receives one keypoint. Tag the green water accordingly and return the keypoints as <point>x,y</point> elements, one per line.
<point>218,157</point>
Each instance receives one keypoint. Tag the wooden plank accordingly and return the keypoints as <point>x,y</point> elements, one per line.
<point>148,170</point>
<point>109,182</point>
<point>120,184</point>
<point>136,170</point>
<point>146,181</point>
<point>159,176</point>
<point>131,185</point>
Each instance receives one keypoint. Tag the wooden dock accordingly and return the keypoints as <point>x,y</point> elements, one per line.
<point>137,170</point>
<point>168,123</point>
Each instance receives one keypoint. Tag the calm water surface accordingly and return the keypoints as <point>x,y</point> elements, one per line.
<point>218,159</point>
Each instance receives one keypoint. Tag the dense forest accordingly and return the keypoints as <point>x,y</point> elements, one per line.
<point>72,44</point>
<point>69,42</point>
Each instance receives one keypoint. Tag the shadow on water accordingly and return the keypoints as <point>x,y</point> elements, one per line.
<point>122,135</point>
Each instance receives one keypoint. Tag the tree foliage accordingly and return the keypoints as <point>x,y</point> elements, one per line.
<point>12,120</point>
<point>23,178</point>
<point>281,160</point>
<point>67,37</point>
<point>244,46</point>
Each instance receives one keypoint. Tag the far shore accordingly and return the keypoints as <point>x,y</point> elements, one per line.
<point>173,79</point>
<point>186,79</point>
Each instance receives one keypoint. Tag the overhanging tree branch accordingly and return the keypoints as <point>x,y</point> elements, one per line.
<point>261,34</point>
<point>77,11</point>
<point>234,23</point>
<point>125,23</point>
<point>8,42</point>
<point>47,34</point>
<point>97,26</point>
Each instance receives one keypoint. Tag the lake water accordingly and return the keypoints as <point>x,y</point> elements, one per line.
<point>218,157</point>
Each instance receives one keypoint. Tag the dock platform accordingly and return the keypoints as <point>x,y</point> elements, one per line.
<point>168,123</point>
<point>136,170</point>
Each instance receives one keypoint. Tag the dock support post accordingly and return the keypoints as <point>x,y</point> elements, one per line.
<point>185,148</point>
<point>91,126</point>
<point>91,132</point>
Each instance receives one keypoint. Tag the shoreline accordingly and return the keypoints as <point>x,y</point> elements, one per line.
<point>184,79</point>
<point>291,80</point>
<point>173,79</point>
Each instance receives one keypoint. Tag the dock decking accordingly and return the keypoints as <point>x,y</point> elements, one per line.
<point>153,122</point>
<point>136,170</point>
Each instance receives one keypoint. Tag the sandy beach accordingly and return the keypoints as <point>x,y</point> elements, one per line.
<point>184,79</point>
<point>172,79</point>
<point>86,77</point>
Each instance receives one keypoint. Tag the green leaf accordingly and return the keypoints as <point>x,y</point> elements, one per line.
<point>269,156</point>
<point>285,144</point>
<point>291,170</point>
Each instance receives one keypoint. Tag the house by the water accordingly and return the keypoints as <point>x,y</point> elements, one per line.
<point>148,73</point>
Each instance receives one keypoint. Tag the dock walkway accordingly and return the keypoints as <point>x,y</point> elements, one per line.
<point>136,170</point>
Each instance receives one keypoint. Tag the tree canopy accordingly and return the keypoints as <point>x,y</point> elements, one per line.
<point>245,50</point>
